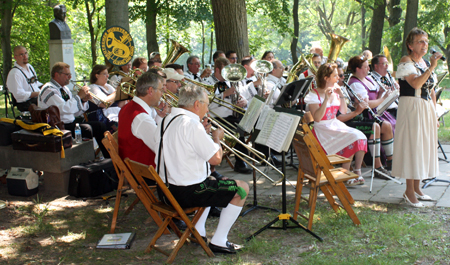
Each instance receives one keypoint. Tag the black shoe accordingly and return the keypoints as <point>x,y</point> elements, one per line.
<point>384,171</point>
<point>276,162</point>
<point>229,249</point>
<point>389,165</point>
<point>242,168</point>
<point>180,224</point>
<point>217,175</point>
<point>214,212</point>
<point>204,239</point>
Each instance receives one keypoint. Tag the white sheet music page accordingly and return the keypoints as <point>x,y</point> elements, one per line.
<point>264,134</point>
<point>263,116</point>
<point>280,132</point>
<point>251,114</point>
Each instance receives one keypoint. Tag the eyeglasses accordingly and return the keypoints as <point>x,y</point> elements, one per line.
<point>174,81</point>
<point>342,75</point>
<point>202,101</point>
<point>234,58</point>
<point>422,42</point>
<point>384,64</point>
<point>67,74</point>
<point>198,64</point>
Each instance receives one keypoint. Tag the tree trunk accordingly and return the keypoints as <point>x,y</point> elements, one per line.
<point>117,13</point>
<point>211,47</point>
<point>363,28</point>
<point>447,48</point>
<point>7,16</point>
<point>230,20</point>
<point>395,14</point>
<point>412,9</point>
<point>203,44</point>
<point>296,28</point>
<point>376,27</point>
<point>91,30</point>
<point>150,24</point>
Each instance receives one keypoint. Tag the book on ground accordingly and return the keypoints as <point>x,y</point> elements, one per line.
<point>117,241</point>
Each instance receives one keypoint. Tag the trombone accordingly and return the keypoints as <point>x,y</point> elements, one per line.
<point>95,99</point>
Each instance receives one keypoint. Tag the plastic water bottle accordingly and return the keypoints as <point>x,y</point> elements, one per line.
<point>78,138</point>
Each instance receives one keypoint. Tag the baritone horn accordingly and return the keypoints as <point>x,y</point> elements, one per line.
<point>262,68</point>
<point>234,73</point>
<point>95,99</point>
<point>303,63</point>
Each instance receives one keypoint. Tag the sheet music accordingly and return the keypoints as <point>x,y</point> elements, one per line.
<point>263,116</point>
<point>264,134</point>
<point>251,114</point>
<point>280,132</point>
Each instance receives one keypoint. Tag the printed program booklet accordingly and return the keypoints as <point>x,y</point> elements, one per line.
<point>116,241</point>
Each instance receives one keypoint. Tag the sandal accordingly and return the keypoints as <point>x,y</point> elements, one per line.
<point>352,182</point>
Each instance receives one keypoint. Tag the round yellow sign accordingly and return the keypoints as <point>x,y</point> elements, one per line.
<point>117,45</point>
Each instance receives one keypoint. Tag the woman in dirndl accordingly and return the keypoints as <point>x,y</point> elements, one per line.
<point>416,140</point>
<point>333,135</point>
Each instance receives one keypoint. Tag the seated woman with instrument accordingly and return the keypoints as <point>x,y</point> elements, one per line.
<point>106,94</point>
<point>333,135</point>
<point>367,88</point>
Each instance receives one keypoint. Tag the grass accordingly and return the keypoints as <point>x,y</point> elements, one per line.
<point>389,234</point>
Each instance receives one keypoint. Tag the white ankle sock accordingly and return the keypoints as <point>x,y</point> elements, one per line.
<point>227,218</point>
<point>200,225</point>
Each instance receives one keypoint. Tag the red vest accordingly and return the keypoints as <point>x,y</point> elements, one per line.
<point>130,146</point>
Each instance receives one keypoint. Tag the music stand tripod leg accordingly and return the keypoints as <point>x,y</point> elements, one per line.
<point>255,205</point>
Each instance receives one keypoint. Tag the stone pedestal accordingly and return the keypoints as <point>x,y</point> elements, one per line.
<point>62,51</point>
<point>56,169</point>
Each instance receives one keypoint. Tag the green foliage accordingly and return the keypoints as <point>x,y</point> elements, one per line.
<point>30,29</point>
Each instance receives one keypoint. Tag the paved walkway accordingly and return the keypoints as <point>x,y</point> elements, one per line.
<point>383,191</point>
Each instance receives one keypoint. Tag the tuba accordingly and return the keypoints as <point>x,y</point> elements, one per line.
<point>335,47</point>
<point>303,63</point>
<point>176,50</point>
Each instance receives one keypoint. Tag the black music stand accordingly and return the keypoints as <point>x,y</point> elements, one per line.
<point>8,98</point>
<point>284,217</point>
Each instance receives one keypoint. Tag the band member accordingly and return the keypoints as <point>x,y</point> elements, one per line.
<point>275,82</point>
<point>268,56</point>
<point>193,72</point>
<point>187,151</point>
<point>56,93</point>
<point>370,128</point>
<point>231,56</point>
<point>416,138</point>
<point>367,54</point>
<point>319,51</point>
<point>138,120</point>
<point>381,74</point>
<point>225,91</point>
<point>363,84</point>
<point>141,64</point>
<point>114,80</point>
<point>333,135</point>
<point>173,80</point>
<point>100,88</point>
<point>317,61</point>
<point>22,81</point>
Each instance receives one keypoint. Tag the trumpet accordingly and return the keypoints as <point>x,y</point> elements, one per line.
<point>95,99</point>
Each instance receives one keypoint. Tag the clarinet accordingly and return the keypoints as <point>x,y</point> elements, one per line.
<point>374,115</point>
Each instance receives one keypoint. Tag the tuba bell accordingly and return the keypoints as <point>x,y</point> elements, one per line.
<point>176,50</point>
<point>335,47</point>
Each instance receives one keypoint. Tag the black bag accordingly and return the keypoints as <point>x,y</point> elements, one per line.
<point>6,129</point>
<point>93,179</point>
<point>34,141</point>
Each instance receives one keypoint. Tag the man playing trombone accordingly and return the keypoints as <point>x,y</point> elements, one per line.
<point>58,94</point>
<point>183,157</point>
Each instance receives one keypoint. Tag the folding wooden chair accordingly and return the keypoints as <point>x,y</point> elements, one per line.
<point>315,168</point>
<point>170,212</point>
<point>140,187</point>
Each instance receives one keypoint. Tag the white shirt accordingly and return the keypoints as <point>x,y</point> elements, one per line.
<point>248,90</point>
<point>187,148</point>
<point>358,88</point>
<point>114,80</point>
<point>190,75</point>
<point>215,108</point>
<point>18,84</point>
<point>144,126</point>
<point>112,113</point>
<point>51,95</point>
<point>377,77</point>
<point>273,82</point>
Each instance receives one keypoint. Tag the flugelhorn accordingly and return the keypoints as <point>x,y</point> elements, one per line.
<point>95,99</point>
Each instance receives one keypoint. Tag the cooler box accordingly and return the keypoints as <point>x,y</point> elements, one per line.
<point>22,182</point>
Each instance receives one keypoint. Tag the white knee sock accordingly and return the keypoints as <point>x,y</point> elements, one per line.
<point>374,144</point>
<point>200,225</point>
<point>227,218</point>
<point>388,147</point>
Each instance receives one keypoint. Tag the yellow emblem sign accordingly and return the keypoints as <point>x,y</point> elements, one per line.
<point>117,45</point>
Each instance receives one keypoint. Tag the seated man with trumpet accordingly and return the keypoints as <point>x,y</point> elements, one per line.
<point>183,157</point>
<point>115,79</point>
<point>58,94</point>
<point>139,63</point>
<point>193,72</point>
<point>225,91</point>
<point>381,75</point>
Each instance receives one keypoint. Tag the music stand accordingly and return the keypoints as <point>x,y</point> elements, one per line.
<point>7,96</point>
<point>284,217</point>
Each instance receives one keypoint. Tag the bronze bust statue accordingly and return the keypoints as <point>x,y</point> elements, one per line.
<point>58,26</point>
